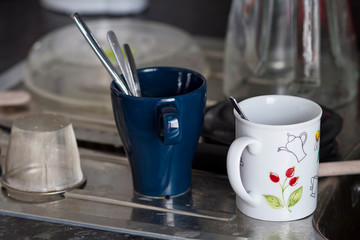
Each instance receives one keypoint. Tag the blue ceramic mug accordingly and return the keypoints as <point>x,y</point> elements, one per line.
<point>161,129</point>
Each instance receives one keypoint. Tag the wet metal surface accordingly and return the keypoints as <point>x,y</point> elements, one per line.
<point>208,211</point>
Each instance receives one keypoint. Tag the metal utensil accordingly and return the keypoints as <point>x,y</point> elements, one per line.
<point>100,53</point>
<point>124,203</point>
<point>237,108</point>
<point>115,46</point>
<point>339,168</point>
<point>131,61</point>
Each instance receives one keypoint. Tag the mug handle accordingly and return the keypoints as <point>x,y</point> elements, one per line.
<point>169,124</point>
<point>233,168</point>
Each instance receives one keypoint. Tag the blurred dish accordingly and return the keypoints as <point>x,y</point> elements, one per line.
<point>96,6</point>
<point>62,67</point>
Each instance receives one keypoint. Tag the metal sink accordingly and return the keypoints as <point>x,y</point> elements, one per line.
<point>338,212</point>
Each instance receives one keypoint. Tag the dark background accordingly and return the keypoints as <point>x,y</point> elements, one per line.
<point>22,22</point>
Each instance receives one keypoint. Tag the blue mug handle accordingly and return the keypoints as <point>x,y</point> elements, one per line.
<point>169,123</point>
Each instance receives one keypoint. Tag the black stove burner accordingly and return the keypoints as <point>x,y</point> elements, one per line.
<point>219,128</point>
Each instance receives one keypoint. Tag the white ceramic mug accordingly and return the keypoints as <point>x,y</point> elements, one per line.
<point>274,159</point>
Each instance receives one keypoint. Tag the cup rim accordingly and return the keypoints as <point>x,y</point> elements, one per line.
<point>114,89</point>
<point>282,126</point>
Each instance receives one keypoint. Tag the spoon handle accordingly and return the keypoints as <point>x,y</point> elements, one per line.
<point>115,46</point>
<point>339,168</point>
<point>237,108</point>
<point>99,52</point>
<point>132,64</point>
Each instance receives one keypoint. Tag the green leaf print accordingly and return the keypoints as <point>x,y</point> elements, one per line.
<point>273,201</point>
<point>295,197</point>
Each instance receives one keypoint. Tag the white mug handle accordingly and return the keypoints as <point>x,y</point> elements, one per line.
<point>233,168</point>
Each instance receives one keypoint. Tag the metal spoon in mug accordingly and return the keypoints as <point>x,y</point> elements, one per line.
<point>115,46</point>
<point>100,53</point>
<point>131,62</point>
<point>237,108</point>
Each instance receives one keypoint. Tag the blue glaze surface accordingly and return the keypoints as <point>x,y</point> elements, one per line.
<point>160,130</point>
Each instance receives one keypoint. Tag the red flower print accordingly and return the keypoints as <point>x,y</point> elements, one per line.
<point>293,181</point>
<point>278,203</point>
<point>290,172</point>
<point>274,177</point>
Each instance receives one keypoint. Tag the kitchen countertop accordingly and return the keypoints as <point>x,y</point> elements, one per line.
<point>23,22</point>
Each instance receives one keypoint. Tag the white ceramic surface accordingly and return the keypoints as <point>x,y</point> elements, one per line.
<point>273,163</point>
